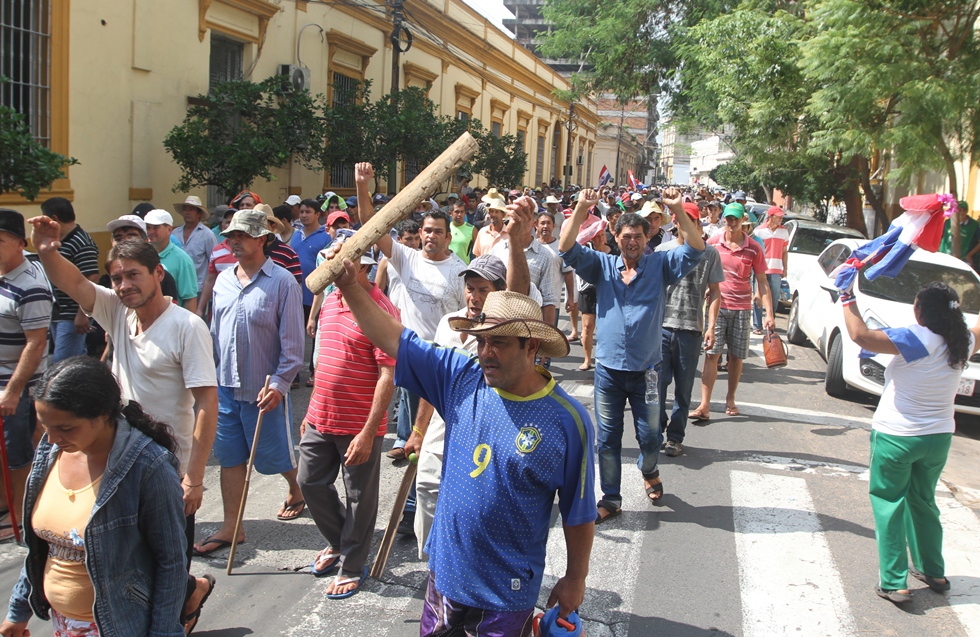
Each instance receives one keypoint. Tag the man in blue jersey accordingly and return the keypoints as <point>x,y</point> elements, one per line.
<point>513,440</point>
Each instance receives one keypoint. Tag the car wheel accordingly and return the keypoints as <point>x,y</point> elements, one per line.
<point>793,332</point>
<point>834,380</point>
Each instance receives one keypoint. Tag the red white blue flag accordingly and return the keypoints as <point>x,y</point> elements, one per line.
<point>634,184</point>
<point>919,227</point>
<point>604,176</point>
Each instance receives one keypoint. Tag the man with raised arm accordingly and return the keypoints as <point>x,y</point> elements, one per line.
<point>631,291</point>
<point>514,439</point>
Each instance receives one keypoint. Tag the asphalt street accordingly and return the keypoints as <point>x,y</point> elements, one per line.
<point>765,529</point>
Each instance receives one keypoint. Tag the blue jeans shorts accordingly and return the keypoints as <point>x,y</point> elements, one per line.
<point>18,433</point>
<point>236,429</point>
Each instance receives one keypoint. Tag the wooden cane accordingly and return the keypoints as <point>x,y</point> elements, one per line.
<point>8,486</point>
<point>384,550</point>
<point>394,211</point>
<point>248,479</point>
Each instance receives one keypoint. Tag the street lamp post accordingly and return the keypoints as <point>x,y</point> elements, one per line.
<point>570,126</point>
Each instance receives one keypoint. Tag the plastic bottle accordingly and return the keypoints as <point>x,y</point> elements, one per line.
<point>652,383</point>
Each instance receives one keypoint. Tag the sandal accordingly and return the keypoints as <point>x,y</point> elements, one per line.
<point>697,416</point>
<point>937,584</point>
<point>610,508</point>
<point>326,570</point>
<point>196,615</point>
<point>731,410</point>
<point>290,508</point>
<point>584,367</point>
<point>895,597</point>
<point>343,581</point>
<point>219,544</point>
<point>309,382</point>
<point>656,489</point>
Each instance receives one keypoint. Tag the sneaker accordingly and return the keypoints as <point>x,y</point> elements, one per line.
<point>396,453</point>
<point>407,525</point>
<point>673,449</point>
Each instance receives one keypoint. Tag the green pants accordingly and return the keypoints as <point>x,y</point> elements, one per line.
<point>904,473</point>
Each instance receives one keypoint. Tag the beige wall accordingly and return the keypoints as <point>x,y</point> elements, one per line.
<point>605,153</point>
<point>133,64</point>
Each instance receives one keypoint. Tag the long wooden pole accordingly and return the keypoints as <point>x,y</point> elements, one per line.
<point>395,210</point>
<point>248,479</point>
<point>384,549</point>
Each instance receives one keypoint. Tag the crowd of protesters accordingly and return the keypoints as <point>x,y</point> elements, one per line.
<point>454,315</point>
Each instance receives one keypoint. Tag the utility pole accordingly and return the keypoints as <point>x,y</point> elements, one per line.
<point>570,125</point>
<point>397,18</point>
<point>619,140</point>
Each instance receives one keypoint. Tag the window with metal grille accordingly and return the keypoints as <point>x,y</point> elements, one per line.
<point>521,136</point>
<point>588,171</point>
<point>462,116</point>
<point>225,65</point>
<point>412,169</point>
<point>342,175</point>
<point>555,145</point>
<point>496,128</point>
<point>25,58</point>
<point>539,169</point>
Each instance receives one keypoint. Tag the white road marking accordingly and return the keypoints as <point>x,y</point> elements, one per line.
<point>961,537</point>
<point>799,465</point>
<point>788,580</point>
<point>794,414</point>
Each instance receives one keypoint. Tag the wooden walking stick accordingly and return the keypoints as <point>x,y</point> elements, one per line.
<point>384,549</point>
<point>423,186</point>
<point>8,486</point>
<point>248,479</point>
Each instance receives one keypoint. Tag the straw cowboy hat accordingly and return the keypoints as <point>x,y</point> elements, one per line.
<point>491,196</point>
<point>194,202</point>
<point>267,210</point>
<point>512,314</point>
<point>497,204</point>
<point>552,199</point>
<point>650,208</point>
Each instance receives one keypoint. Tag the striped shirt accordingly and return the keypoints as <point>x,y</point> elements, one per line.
<point>347,370</point>
<point>257,330</point>
<point>77,247</point>
<point>25,304</point>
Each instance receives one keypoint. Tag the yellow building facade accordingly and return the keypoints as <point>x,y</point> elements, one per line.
<point>110,79</point>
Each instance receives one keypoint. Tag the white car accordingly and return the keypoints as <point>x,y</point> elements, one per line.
<point>816,315</point>
<point>807,239</point>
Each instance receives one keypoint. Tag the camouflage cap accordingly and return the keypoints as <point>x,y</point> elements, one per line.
<point>254,223</point>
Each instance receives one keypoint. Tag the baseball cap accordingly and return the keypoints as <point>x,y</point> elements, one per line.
<point>739,195</point>
<point>775,211</point>
<point>379,198</point>
<point>13,222</point>
<point>158,217</point>
<point>367,259</point>
<point>293,200</point>
<point>127,221</point>
<point>487,266</point>
<point>692,211</point>
<point>336,215</point>
<point>351,201</point>
<point>254,223</point>
<point>452,196</point>
<point>636,196</point>
<point>734,210</point>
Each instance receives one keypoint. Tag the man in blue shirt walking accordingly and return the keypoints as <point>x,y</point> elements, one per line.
<point>631,291</point>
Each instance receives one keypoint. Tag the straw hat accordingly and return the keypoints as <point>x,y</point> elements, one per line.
<point>267,210</point>
<point>497,204</point>
<point>650,208</point>
<point>491,196</point>
<point>193,202</point>
<point>512,314</point>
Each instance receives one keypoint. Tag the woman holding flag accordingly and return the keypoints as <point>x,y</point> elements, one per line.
<point>912,430</point>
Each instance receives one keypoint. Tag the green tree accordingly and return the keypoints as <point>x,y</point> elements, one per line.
<point>500,160</point>
<point>26,165</point>
<point>240,131</point>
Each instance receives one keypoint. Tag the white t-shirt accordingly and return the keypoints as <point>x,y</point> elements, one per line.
<point>431,289</point>
<point>920,386</point>
<point>158,367</point>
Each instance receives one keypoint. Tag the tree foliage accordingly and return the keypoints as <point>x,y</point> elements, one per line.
<point>26,165</point>
<point>240,131</point>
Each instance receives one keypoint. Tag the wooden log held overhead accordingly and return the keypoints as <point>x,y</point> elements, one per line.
<point>421,188</point>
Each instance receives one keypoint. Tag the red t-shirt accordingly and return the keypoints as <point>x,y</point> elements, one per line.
<point>775,243</point>
<point>347,370</point>
<point>739,264</point>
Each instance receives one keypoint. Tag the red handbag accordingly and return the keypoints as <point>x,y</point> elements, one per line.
<point>774,349</point>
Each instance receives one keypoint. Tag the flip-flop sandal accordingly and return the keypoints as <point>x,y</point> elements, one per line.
<point>584,368</point>
<point>299,507</point>
<point>310,382</point>
<point>220,544</point>
<point>732,410</point>
<point>895,597</point>
<point>327,570</point>
<point>657,489</point>
<point>574,339</point>
<point>343,581</point>
<point>939,585</point>
<point>196,615</point>
<point>697,416</point>
<point>612,509</point>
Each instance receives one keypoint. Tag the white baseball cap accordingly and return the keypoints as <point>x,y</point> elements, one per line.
<point>158,217</point>
<point>293,200</point>
<point>127,221</point>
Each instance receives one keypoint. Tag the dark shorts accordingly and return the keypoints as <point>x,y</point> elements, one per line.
<point>442,617</point>
<point>18,433</point>
<point>586,301</point>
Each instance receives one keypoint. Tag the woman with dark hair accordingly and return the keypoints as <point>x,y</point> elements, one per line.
<point>911,433</point>
<point>103,514</point>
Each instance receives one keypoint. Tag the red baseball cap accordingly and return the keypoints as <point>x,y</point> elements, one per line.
<point>692,210</point>
<point>775,211</point>
<point>336,215</point>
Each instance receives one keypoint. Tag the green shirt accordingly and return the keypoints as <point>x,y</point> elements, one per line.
<point>968,235</point>
<point>462,238</point>
<point>181,267</point>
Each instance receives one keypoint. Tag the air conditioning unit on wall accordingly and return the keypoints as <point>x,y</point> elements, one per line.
<point>299,77</point>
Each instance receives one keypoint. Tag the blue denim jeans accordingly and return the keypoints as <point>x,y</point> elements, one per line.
<point>775,281</point>
<point>408,408</point>
<point>681,350</point>
<point>613,388</point>
<point>67,343</point>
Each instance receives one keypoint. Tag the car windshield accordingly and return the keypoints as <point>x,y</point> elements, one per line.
<point>916,275</point>
<point>813,240</point>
